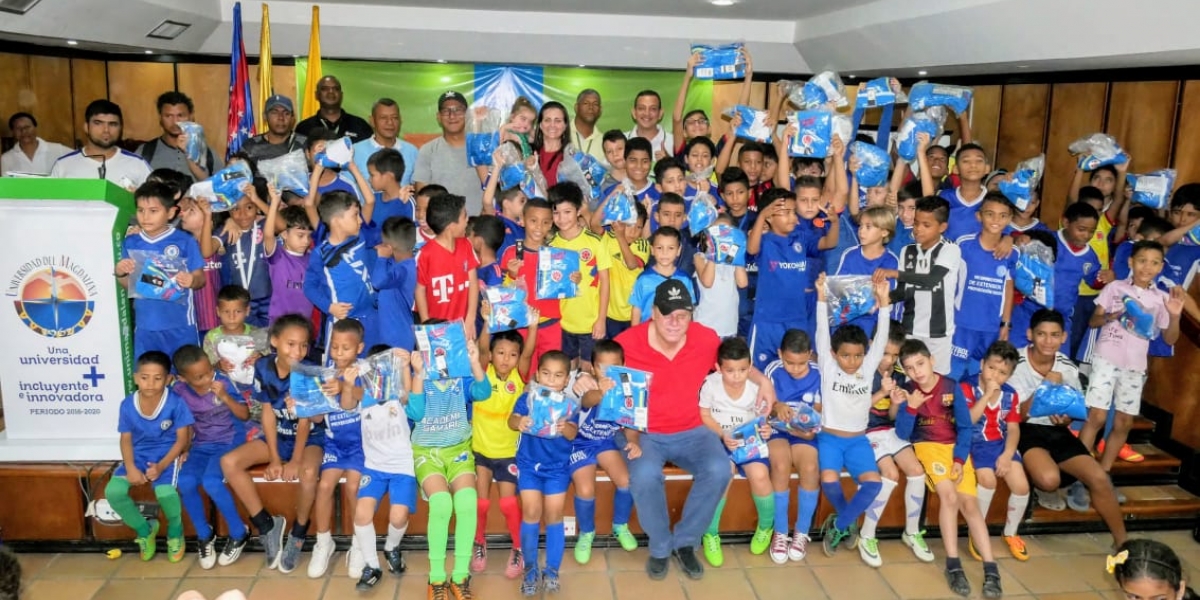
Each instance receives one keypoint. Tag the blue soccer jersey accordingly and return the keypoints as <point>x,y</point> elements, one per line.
<point>343,429</point>
<point>537,454</point>
<point>271,390</point>
<point>1120,261</point>
<point>342,273</point>
<point>993,425</point>
<point>854,262</point>
<point>245,263</point>
<point>880,416</point>
<point>1070,269</point>
<point>792,391</point>
<point>981,283</point>
<point>645,285</point>
<point>512,232</point>
<point>153,434</point>
<point>591,429</point>
<point>903,237</point>
<point>174,244</point>
<point>386,209</point>
<point>397,285</point>
<point>786,268</point>
<point>1180,267</point>
<point>962,213</point>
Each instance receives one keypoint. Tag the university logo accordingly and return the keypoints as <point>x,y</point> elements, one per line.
<point>53,295</point>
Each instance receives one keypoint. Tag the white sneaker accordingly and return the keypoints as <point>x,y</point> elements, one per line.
<point>798,549</point>
<point>355,563</point>
<point>779,548</point>
<point>916,542</point>
<point>321,553</point>
<point>208,553</point>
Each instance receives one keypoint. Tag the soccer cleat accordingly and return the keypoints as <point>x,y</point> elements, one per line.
<point>232,551</point>
<point>625,537</point>
<point>272,541</point>
<point>478,558</point>
<point>290,557</point>
<point>868,549</point>
<point>957,580</point>
<point>831,536</point>
<point>149,545</point>
<point>395,561</point>
<point>438,591</point>
<point>711,544</point>
<point>798,549</point>
<point>916,542</point>
<point>1016,546</point>
<point>175,549</point>
<point>971,549</point>
<point>369,578</point>
<point>991,585</point>
<point>516,564</point>
<point>461,590</point>
<point>206,550</point>
<point>850,540</point>
<point>532,582</point>
<point>1050,500</point>
<point>583,547</point>
<point>761,540</point>
<point>550,581</point>
<point>1126,453</point>
<point>321,553</point>
<point>779,548</point>
<point>1078,498</point>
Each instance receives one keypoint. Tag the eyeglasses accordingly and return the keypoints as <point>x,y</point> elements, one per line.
<point>453,110</point>
<point>696,122</point>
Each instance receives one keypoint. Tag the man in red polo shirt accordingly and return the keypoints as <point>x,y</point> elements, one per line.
<point>679,354</point>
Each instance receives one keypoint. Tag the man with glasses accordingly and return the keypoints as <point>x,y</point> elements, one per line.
<point>101,157</point>
<point>443,160</point>
<point>31,154</point>
<point>587,137</point>
<point>385,117</point>
<point>280,136</point>
<point>331,116</point>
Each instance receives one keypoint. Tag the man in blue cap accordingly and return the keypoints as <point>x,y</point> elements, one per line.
<point>280,137</point>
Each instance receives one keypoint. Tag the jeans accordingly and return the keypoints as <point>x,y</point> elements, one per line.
<point>698,451</point>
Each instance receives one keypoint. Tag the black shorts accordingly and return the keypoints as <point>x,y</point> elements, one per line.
<point>578,345</point>
<point>504,470</point>
<point>1054,439</point>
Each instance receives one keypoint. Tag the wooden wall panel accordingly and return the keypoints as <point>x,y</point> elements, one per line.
<point>135,87</point>
<point>89,81</point>
<point>724,95</point>
<point>985,120</point>
<point>284,82</point>
<point>208,86</point>
<point>1141,115</point>
<point>1187,135</point>
<point>1022,128</point>
<point>1076,110</point>
<point>47,76</point>
<point>15,70</point>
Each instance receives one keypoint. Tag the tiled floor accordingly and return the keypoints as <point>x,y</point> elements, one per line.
<point>1062,567</point>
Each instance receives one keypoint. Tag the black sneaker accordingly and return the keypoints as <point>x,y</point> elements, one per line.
<point>991,585</point>
<point>369,578</point>
<point>232,551</point>
<point>657,568</point>
<point>688,562</point>
<point>395,560</point>
<point>957,580</point>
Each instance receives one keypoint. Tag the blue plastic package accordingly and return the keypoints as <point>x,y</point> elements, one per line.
<point>153,277</point>
<point>726,245</point>
<point>627,403</point>
<point>703,212</point>
<point>815,130</point>
<point>583,170</point>
<point>510,308</point>
<point>874,164</point>
<point>382,377</point>
<point>197,148</point>
<point>224,188</point>
<point>849,297</point>
<point>883,91</point>
<point>1035,273</point>
<point>288,173</point>
<point>1020,186</point>
<point>337,153</point>
<point>928,122</point>
<point>444,348</point>
<point>1154,189</point>
<point>1051,399</point>
<point>483,135</point>
<point>1097,150</point>
<point>805,420</point>
<point>619,207</point>
<point>924,95</point>
<point>825,89</point>
<point>555,266</point>
<point>719,62</point>
<point>1137,320</point>
<point>546,408</point>
<point>304,386</point>
<point>751,444</point>
<point>754,125</point>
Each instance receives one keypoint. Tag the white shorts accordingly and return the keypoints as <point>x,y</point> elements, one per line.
<point>1111,385</point>
<point>885,442</point>
<point>940,349</point>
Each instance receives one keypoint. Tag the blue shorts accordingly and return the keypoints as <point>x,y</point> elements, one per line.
<point>853,454</point>
<point>578,345</point>
<point>259,307</point>
<point>741,468</point>
<point>504,470</point>
<point>984,455</point>
<point>166,340</point>
<point>348,459</point>
<point>287,444</point>
<point>548,482</point>
<point>766,337</point>
<point>613,327</point>
<point>585,452</point>
<point>400,488</point>
<point>967,350</point>
<point>791,439</point>
<point>169,476</point>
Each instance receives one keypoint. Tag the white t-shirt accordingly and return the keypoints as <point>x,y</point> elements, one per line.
<point>846,397</point>
<point>386,439</point>
<point>718,307</point>
<point>1025,380</point>
<point>124,168</point>
<point>15,161</point>
<point>730,413</point>
<point>657,142</point>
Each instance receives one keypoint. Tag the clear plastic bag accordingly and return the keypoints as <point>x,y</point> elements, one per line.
<point>825,89</point>
<point>224,188</point>
<point>874,164</point>
<point>751,444</point>
<point>619,207</point>
<point>754,125</point>
<point>583,170</point>
<point>719,62</point>
<point>725,245</point>
<point>546,408</point>
<point>815,130</point>
<point>883,91</point>
<point>382,376</point>
<point>805,420</point>
<point>1019,187</point>
<point>515,172</point>
<point>1035,273</point>
<point>924,95</point>
<point>627,403</point>
<point>443,346</point>
<point>1154,189</point>
<point>1097,150</point>
<point>1052,399</point>
<point>197,148</point>
<point>930,121</point>
<point>337,153</point>
<point>483,135</point>
<point>1137,320</point>
<point>849,297</point>
<point>509,307</point>
<point>703,211</point>
<point>153,277</point>
<point>305,389</point>
<point>239,351</point>
<point>555,266</point>
<point>288,173</point>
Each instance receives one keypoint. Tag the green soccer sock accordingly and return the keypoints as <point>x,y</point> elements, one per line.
<point>465,516</point>
<point>438,534</point>
<point>714,527</point>
<point>766,511</point>
<point>117,494</point>
<point>172,506</point>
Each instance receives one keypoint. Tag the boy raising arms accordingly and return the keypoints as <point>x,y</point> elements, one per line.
<point>338,279</point>
<point>584,316</point>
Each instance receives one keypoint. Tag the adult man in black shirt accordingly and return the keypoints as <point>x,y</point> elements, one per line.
<point>280,137</point>
<point>331,116</point>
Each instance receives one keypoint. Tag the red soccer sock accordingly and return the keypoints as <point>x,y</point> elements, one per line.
<point>482,506</point>
<point>512,516</point>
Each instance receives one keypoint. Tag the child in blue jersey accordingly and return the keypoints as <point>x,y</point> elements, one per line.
<point>338,280</point>
<point>543,478</point>
<point>670,179</point>
<point>906,212</point>
<point>508,205</point>
<point>245,260</point>
<point>154,424</point>
<point>163,325</point>
<point>445,468</point>
<point>985,292</point>
<point>1025,220</point>
<point>385,171</point>
<point>596,444</point>
<point>671,211</point>
<point>343,444</point>
<point>219,428</point>
<point>735,191</point>
<point>665,244</point>
<point>797,381</point>
<point>1182,260</point>
<point>996,426</point>
<point>876,225</point>
<point>395,277</point>
<point>971,163</point>
<point>728,401</point>
<point>785,255</point>
<point>290,447</point>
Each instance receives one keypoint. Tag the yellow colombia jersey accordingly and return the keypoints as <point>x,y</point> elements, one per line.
<point>620,277</point>
<point>1099,245</point>
<point>491,436</point>
<point>579,314</point>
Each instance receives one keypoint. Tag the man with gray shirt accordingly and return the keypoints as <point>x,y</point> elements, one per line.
<point>443,160</point>
<point>169,151</point>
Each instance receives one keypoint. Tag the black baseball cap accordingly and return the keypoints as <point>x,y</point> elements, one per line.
<point>451,96</point>
<point>671,295</point>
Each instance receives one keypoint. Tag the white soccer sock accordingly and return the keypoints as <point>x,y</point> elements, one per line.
<point>1016,511</point>
<point>871,517</point>
<point>914,499</point>
<point>394,536</point>
<point>365,534</point>
<point>985,499</point>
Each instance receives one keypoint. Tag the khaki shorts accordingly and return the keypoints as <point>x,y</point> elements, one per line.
<point>450,462</point>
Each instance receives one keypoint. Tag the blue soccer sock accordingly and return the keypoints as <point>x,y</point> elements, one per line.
<point>529,543</point>
<point>622,506</point>
<point>585,516</point>
<point>808,508</point>
<point>867,491</point>
<point>835,496</point>
<point>556,543</point>
<point>781,512</point>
